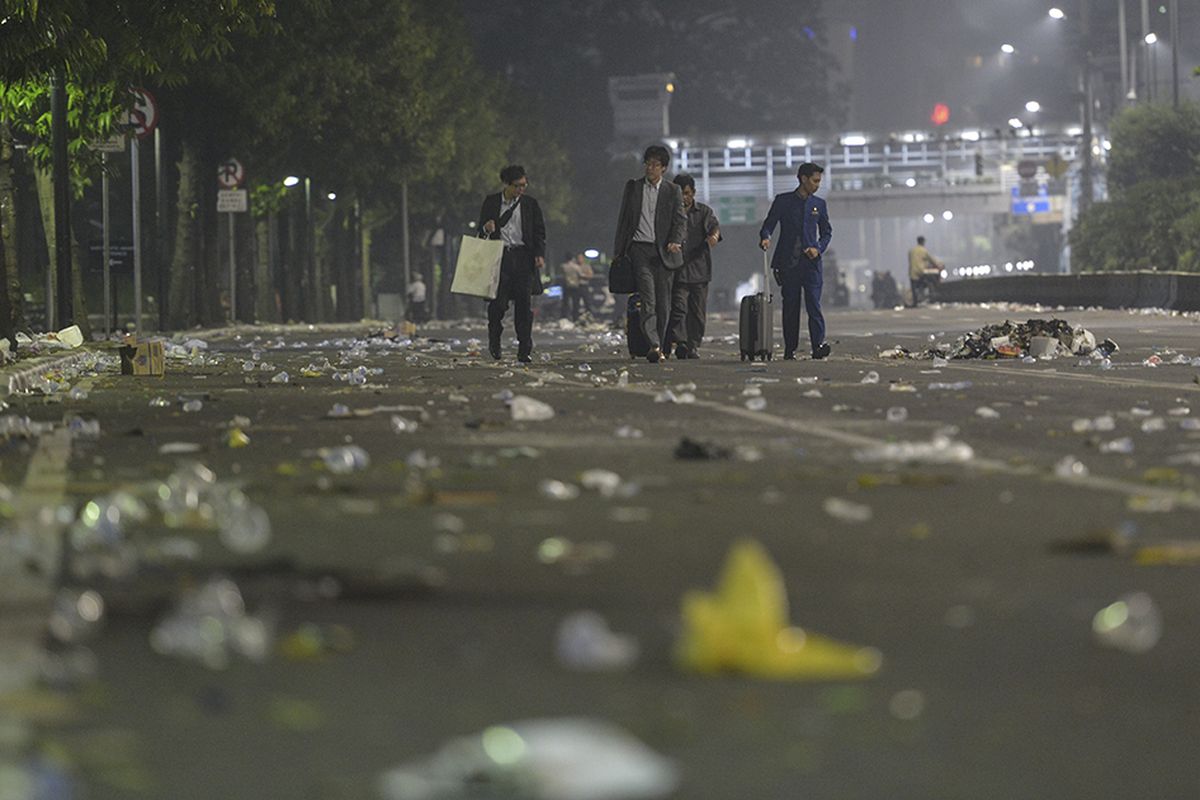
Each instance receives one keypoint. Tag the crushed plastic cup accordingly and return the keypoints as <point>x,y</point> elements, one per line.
<point>1133,624</point>
<point>401,424</point>
<point>756,403</point>
<point>987,412</point>
<point>604,481</point>
<point>585,642</point>
<point>1124,446</point>
<point>280,377</point>
<point>1070,467</point>
<point>338,411</point>
<point>77,393</point>
<point>628,432</point>
<point>1154,425</point>
<point>210,624</point>
<point>243,527</point>
<point>897,414</point>
<point>558,490</point>
<point>192,406</point>
<point>870,377</point>
<point>528,409</point>
<point>346,459</point>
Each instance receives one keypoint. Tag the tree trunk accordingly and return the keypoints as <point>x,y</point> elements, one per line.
<point>212,312</point>
<point>182,276</point>
<point>78,298</point>
<point>11,307</point>
<point>45,197</point>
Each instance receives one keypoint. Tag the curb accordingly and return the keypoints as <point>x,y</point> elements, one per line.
<point>20,377</point>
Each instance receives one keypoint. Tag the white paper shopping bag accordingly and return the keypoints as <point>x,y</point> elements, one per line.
<point>477,271</point>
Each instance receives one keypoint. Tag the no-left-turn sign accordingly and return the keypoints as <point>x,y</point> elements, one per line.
<point>143,117</point>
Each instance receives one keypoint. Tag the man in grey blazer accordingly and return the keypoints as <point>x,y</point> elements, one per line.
<point>650,230</point>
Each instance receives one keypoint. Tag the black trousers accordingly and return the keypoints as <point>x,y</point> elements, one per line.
<point>689,312</point>
<point>516,287</point>
<point>654,282</point>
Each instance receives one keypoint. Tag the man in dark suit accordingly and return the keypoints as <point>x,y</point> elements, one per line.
<point>804,235</point>
<point>650,230</point>
<point>689,299</point>
<point>516,218</point>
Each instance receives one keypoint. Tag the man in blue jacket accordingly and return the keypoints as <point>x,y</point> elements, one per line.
<point>804,235</point>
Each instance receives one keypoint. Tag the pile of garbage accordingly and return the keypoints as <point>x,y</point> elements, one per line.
<point>1036,338</point>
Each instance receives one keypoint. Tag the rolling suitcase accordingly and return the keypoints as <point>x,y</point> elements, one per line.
<point>756,327</point>
<point>638,344</point>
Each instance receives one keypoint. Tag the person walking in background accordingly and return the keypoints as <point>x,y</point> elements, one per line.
<point>689,300</point>
<point>804,235</point>
<point>516,218</point>
<point>416,299</point>
<point>650,230</point>
<point>576,272</point>
<point>924,271</point>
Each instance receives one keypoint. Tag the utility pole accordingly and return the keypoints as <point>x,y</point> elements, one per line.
<point>1174,52</point>
<point>1085,46</point>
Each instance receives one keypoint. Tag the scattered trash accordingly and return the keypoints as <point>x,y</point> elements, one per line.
<point>1123,446</point>
<point>939,450</point>
<point>343,460</point>
<point>987,412</point>
<point>1070,467</point>
<point>870,377</point>
<point>585,642</point>
<point>1133,624</point>
<point>628,432</point>
<point>756,403</point>
<point>179,448</point>
<point>897,414</point>
<point>558,490</point>
<point>537,759</point>
<point>743,627</point>
<point>1036,338</point>
<point>210,624</point>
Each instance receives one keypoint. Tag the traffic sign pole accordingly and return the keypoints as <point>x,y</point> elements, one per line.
<point>107,245</point>
<point>232,273</point>
<point>137,236</point>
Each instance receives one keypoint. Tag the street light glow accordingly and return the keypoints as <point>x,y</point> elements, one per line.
<point>290,181</point>
<point>733,144</point>
<point>1033,106</point>
<point>928,219</point>
<point>1007,49</point>
<point>591,252</point>
<point>797,141</point>
<point>947,215</point>
<point>911,182</point>
<point>1056,13</point>
<point>332,195</point>
<point>1151,37</point>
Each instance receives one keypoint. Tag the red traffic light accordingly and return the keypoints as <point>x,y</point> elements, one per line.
<point>940,115</point>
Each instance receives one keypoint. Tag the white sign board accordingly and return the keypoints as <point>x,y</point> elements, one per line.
<point>230,174</point>
<point>232,201</point>
<point>113,144</point>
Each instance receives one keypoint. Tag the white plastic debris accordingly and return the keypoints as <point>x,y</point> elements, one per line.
<point>1133,624</point>
<point>585,642</point>
<point>847,511</point>
<point>558,490</point>
<point>70,336</point>
<point>527,409</point>
<point>870,377</point>
<point>604,481</point>
<point>987,412</point>
<point>939,450</point>
<point>539,759</point>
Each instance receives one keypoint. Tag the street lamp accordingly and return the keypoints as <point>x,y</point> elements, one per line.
<point>1007,49</point>
<point>290,181</point>
<point>1056,13</point>
<point>1033,106</point>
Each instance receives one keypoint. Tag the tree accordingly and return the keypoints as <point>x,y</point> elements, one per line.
<point>1154,142</point>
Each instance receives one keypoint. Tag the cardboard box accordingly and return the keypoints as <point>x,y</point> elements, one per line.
<point>144,358</point>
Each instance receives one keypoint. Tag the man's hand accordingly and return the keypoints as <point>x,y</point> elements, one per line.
<point>812,252</point>
<point>674,247</point>
<point>712,239</point>
<point>539,262</point>
<point>764,244</point>
<point>489,226</point>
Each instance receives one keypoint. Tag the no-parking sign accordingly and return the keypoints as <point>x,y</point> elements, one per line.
<point>230,174</point>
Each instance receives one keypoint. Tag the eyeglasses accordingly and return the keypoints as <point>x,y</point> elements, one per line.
<point>521,185</point>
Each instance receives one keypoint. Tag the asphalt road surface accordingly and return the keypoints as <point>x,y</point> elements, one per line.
<point>417,597</point>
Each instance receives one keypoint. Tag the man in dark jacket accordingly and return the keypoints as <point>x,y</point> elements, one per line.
<point>650,230</point>
<point>689,300</point>
<point>516,218</point>
<point>804,235</point>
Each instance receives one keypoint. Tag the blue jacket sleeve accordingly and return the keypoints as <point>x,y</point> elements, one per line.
<point>768,226</point>
<point>825,228</point>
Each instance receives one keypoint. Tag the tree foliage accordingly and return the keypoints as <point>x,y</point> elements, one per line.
<point>1154,142</point>
<point>1153,219</point>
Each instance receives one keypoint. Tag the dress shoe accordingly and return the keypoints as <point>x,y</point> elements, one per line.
<point>822,350</point>
<point>494,352</point>
<point>681,351</point>
<point>525,358</point>
<point>789,355</point>
<point>692,353</point>
<point>654,355</point>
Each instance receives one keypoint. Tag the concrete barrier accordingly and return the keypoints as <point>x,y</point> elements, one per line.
<point>1179,291</point>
